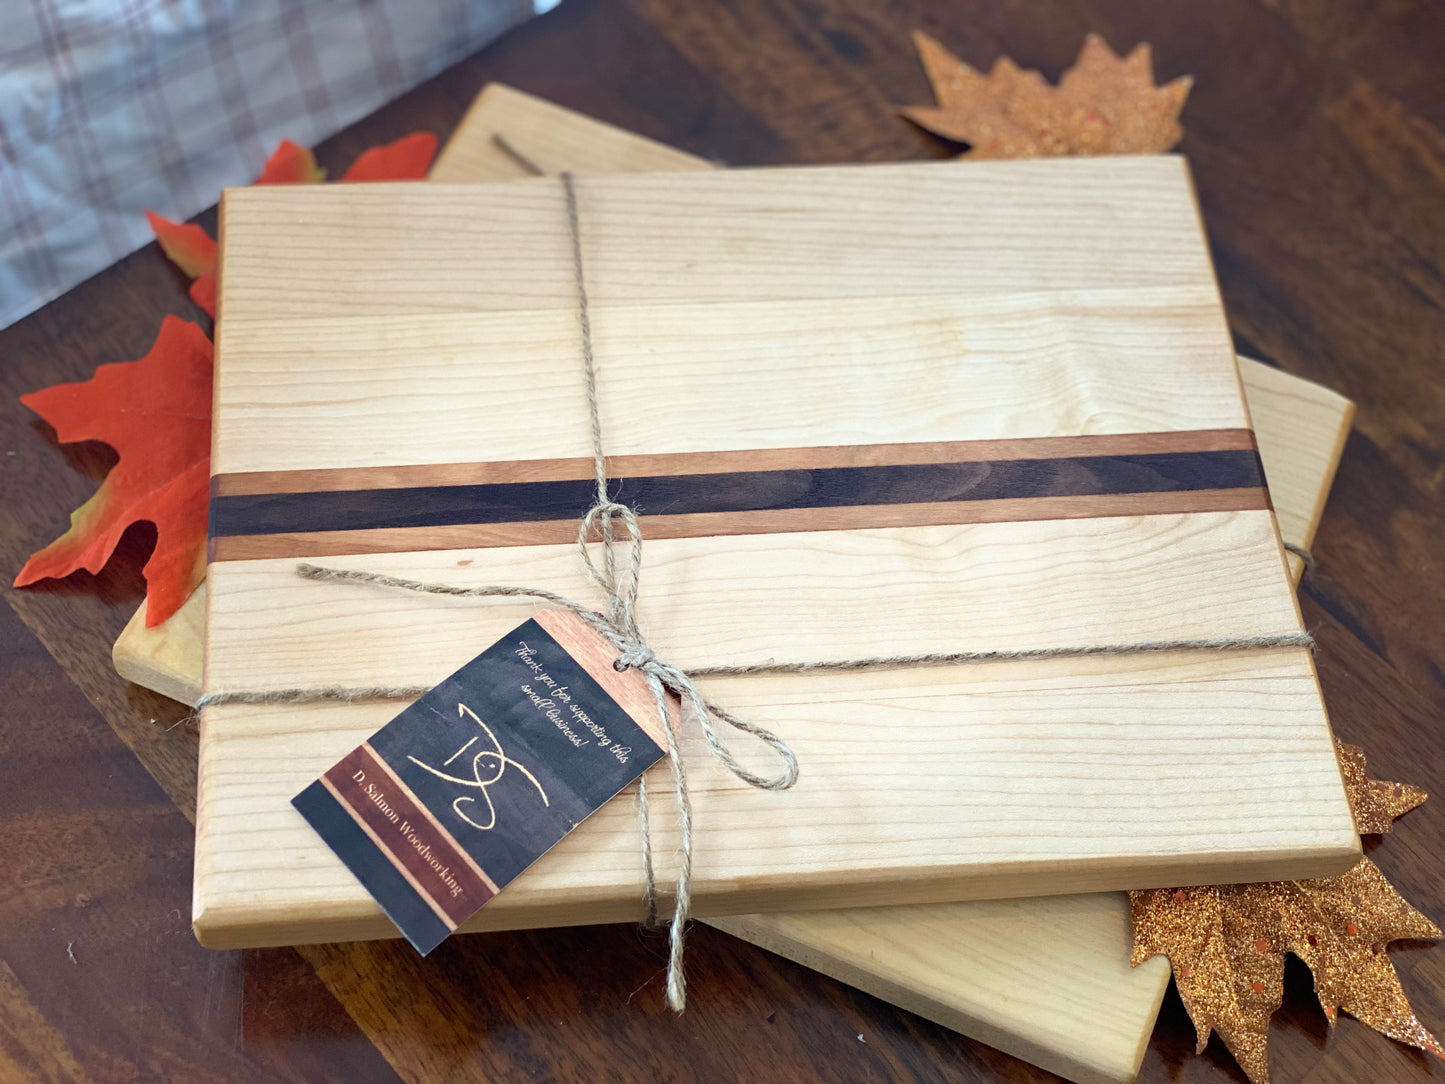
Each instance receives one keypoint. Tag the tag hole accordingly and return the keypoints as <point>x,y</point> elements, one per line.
<point>619,665</point>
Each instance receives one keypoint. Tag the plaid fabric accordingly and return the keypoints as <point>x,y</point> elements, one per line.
<point>110,107</point>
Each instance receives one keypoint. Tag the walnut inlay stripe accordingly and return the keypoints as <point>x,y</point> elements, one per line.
<point>819,489</point>
<point>345,479</point>
<point>564,532</point>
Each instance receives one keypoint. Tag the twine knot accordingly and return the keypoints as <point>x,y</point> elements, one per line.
<point>635,656</point>
<point>618,580</point>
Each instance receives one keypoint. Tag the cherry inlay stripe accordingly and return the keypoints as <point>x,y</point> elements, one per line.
<point>728,461</point>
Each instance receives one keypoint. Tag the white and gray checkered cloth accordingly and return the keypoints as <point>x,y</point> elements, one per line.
<point>112,107</point>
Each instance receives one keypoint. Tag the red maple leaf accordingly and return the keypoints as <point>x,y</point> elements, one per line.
<point>203,293</point>
<point>189,247</point>
<point>291,164</point>
<point>156,414</point>
<point>408,159</point>
<point>192,250</point>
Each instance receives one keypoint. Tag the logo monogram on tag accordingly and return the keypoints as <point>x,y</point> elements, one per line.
<point>492,758</point>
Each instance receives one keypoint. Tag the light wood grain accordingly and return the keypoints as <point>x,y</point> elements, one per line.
<point>1077,356</point>
<point>1045,979</point>
<point>1301,429</point>
<point>168,657</point>
<point>1300,426</point>
<point>552,137</point>
<point>724,236</point>
<point>788,597</point>
<point>1005,821</point>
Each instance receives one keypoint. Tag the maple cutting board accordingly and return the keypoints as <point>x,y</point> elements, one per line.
<point>1010,731</point>
<point>1045,979</point>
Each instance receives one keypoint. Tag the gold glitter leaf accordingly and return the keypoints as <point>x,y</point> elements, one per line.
<point>1226,944</point>
<point>1375,804</point>
<point>1102,105</point>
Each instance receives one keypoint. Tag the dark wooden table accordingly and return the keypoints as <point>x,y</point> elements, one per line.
<point>1315,134</point>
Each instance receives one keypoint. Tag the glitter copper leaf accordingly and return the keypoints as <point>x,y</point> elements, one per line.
<point>1375,803</point>
<point>1227,944</point>
<point>1104,104</point>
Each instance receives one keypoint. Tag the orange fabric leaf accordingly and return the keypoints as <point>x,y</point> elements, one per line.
<point>408,159</point>
<point>203,293</point>
<point>156,414</point>
<point>291,163</point>
<point>189,247</point>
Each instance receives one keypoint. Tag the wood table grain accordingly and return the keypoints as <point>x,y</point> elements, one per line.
<point>1315,135</point>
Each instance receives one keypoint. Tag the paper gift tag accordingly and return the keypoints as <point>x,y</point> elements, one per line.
<point>443,807</point>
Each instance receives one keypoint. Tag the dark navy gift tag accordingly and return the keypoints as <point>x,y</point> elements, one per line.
<point>441,808</point>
